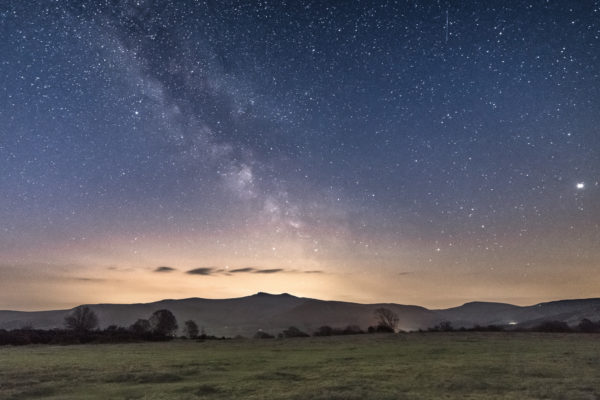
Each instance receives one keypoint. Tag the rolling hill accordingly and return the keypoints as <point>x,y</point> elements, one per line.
<point>273,313</point>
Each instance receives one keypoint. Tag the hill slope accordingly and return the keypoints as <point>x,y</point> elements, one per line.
<point>273,313</point>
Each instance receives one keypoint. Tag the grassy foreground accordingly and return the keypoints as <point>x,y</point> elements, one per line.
<point>409,366</point>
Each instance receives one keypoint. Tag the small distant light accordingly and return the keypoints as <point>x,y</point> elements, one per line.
<point>580,185</point>
<point>512,323</point>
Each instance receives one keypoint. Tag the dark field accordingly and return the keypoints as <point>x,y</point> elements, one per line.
<point>409,366</point>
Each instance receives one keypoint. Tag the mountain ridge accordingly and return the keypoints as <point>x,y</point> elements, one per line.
<point>275,312</point>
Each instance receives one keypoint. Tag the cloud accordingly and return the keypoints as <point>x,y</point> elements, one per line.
<point>269,271</point>
<point>121,269</point>
<point>247,269</point>
<point>254,270</point>
<point>163,268</point>
<point>202,271</point>
<point>84,279</point>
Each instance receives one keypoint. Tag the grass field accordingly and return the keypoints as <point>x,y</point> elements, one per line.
<point>409,366</point>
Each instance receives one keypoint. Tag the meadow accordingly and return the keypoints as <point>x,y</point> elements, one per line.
<point>407,366</point>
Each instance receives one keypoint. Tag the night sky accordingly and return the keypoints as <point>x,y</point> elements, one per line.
<point>417,152</point>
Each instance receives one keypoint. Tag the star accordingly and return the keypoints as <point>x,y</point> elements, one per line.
<point>335,144</point>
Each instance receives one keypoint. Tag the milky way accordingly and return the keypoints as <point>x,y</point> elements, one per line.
<point>416,152</point>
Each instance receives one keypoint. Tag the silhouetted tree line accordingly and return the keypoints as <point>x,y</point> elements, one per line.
<point>294,332</point>
<point>81,326</point>
<point>112,334</point>
<point>329,331</point>
<point>446,326</point>
<point>324,330</point>
<point>387,322</point>
<point>584,326</point>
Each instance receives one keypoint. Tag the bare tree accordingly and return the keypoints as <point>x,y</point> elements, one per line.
<point>387,320</point>
<point>81,319</point>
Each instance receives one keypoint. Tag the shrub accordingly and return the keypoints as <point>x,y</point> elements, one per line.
<point>325,330</point>
<point>292,332</point>
<point>588,326</point>
<point>140,327</point>
<point>263,335</point>
<point>552,326</point>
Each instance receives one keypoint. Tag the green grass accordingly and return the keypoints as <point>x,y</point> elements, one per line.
<point>409,366</point>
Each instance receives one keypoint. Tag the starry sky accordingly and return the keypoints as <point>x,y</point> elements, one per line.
<point>418,152</point>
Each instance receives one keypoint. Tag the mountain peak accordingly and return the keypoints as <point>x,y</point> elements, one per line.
<point>265,294</point>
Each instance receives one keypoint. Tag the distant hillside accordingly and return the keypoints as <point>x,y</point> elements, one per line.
<point>481,313</point>
<point>273,313</point>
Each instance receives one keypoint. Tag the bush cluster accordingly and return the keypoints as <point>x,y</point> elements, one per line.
<point>64,336</point>
<point>584,326</point>
<point>324,330</point>
<point>81,326</point>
